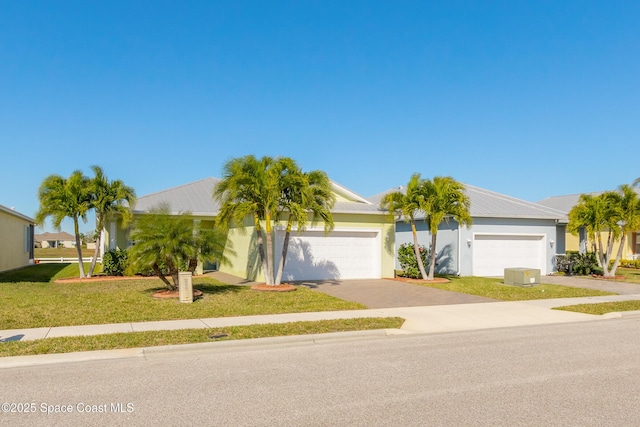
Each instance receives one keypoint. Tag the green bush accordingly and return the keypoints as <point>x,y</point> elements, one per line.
<point>578,264</point>
<point>408,261</point>
<point>114,262</point>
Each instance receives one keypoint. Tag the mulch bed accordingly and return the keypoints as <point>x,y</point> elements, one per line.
<point>262,287</point>
<point>597,276</point>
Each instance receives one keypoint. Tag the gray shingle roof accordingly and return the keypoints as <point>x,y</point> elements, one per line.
<point>196,197</point>
<point>489,204</point>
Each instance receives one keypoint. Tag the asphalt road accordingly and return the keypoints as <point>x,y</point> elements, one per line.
<point>582,374</point>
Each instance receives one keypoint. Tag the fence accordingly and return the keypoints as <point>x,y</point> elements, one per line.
<point>70,260</point>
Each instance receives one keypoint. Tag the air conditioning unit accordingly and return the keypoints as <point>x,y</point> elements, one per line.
<point>522,276</point>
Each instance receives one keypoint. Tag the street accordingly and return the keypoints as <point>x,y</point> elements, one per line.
<point>576,374</point>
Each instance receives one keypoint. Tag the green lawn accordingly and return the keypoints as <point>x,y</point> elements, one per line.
<point>496,289</point>
<point>42,303</point>
<point>188,336</point>
<point>631,275</point>
<point>603,307</point>
<point>61,252</point>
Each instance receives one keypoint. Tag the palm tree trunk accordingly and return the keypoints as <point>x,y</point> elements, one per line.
<point>159,273</point>
<point>269,241</point>
<point>263,258</point>
<point>76,229</point>
<point>283,257</point>
<point>623,240</point>
<point>97,250</point>
<point>416,250</point>
<point>432,255</point>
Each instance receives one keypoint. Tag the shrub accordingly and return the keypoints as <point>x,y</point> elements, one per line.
<point>114,262</point>
<point>408,261</point>
<point>577,263</point>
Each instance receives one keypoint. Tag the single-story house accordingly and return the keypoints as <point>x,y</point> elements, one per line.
<point>61,239</point>
<point>506,232</point>
<point>580,242</point>
<point>16,245</point>
<point>359,247</point>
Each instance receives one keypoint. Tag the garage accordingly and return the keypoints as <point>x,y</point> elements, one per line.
<point>492,253</point>
<point>341,254</point>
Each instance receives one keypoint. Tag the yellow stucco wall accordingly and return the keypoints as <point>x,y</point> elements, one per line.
<point>245,262</point>
<point>572,243</point>
<point>13,253</point>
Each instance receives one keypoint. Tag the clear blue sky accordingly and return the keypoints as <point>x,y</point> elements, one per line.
<point>527,98</point>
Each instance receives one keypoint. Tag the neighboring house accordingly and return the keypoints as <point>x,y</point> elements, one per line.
<point>580,242</point>
<point>16,242</point>
<point>359,247</point>
<point>506,232</point>
<point>56,240</point>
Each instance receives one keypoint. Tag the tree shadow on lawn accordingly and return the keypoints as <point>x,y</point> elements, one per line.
<point>41,273</point>
<point>208,289</point>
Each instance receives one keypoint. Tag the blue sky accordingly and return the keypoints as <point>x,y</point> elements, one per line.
<point>527,98</point>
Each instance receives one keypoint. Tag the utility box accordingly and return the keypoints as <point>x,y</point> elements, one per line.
<point>185,286</point>
<point>521,276</point>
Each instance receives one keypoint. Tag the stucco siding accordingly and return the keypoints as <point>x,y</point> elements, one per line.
<point>446,244</point>
<point>14,252</point>
<point>242,248</point>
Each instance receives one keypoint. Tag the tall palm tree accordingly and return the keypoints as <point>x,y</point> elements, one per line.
<point>304,194</point>
<point>597,214</point>
<point>62,198</point>
<point>250,187</point>
<point>444,199</point>
<point>407,205</point>
<point>108,198</point>
<point>266,189</point>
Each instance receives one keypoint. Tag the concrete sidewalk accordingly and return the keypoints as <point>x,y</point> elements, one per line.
<point>428,319</point>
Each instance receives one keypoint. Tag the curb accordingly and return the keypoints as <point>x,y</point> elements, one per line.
<point>632,314</point>
<point>197,348</point>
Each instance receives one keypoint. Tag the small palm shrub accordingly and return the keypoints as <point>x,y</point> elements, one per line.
<point>408,261</point>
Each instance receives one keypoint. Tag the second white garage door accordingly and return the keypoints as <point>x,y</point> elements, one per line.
<point>312,255</point>
<point>492,253</point>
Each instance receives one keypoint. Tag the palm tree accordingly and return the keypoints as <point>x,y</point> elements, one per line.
<point>407,205</point>
<point>250,187</point>
<point>597,214</point>
<point>444,198</point>
<point>168,243</point>
<point>266,189</point>
<point>108,198</point>
<point>62,198</point>
<point>627,206</point>
<point>304,194</point>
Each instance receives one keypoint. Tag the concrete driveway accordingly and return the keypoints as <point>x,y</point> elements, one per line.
<point>387,293</point>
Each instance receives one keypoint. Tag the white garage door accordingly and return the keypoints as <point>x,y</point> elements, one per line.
<point>312,255</point>
<point>493,253</point>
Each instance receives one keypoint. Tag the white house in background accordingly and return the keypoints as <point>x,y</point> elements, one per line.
<point>506,232</point>
<point>16,239</point>
<point>56,240</point>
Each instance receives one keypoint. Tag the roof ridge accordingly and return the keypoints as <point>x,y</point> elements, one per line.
<point>516,200</point>
<point>177,187</point>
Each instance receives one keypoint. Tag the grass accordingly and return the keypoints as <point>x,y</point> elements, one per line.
<point>603,307</point>
<point>631,275</point>
<point>61,252</point>
<point>496,289</point>
<point>42,303</point>
<point>187,336</point>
